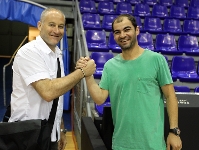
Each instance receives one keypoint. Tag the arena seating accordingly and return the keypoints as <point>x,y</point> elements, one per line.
<point>196,90</point>
<point>172,25</point>
<point>100,59</point>
<point>169,27</point>
<point>177,12</point>
<point>145,40</point>
<point>166,44</point>
<point>124,8</point>
<point>167,3</point>
<point>133,2</point>
<point>183,67</point>
<point>181,88</point>
<point>194,3</point>
<point>191,27</point>
<point>96,40</point>
<point>87,6</point>
<point>150,2</point>
<point>141,10</point>
<point>193,12</point>
<point>107,22</point>
<point>152,24</point>
<point>106,7</point>
<point>188,44</point>
<point>91,21</point>
<point>182,3</point>
<point>160,11</point>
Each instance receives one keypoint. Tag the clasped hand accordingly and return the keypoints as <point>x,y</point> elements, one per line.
<point>88,65</point>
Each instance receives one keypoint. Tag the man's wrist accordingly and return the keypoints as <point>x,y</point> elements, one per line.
<point>82,72</point>
<point>175,131</point>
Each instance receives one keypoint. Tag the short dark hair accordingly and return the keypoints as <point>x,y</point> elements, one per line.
<point>120,19</point>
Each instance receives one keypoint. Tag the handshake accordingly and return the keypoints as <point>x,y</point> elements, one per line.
<point>87,66</point>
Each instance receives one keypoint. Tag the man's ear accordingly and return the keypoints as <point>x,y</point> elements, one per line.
<point>39,25</point>
<point>137,30</point>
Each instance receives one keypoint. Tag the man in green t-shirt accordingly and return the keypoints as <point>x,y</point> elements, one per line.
<point>136,81</point>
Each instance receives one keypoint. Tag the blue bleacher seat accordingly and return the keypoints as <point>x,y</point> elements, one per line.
<point>117,1</point>
<point>196,90</point>
<point>152,24</point>
<point>159,11</point>
<point>100,59</point>
<point>182,3</point>
<point>177,12</point>
<point>191,27</point>
<point>167,3</point>
<point>145,40</point>
<point>141,10</point>
<point>124,8</point>
<point>188,44</point>
<point>181,88</point>
<point>91,21</point>
<point>150,2</point>
<point>193,12</point>
<point>133,2</point>
<point>87,6</point>
<point>139,22</point>
<point>172,26</point>
<point>101,1</point>
<point>194,3</point>
<point>107,22</point>
<point>113,45</point>
<point>184,68</point>
<point>106,8</point>
<point>166,44</point>
<point>96,40</point>
<point>100,108</point>
<point>174,78</point>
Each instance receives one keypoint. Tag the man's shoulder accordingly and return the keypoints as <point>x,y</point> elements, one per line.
<point>28,46</point>
<point>153,54</point>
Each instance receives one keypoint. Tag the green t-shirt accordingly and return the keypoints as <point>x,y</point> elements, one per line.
<point>137,100</point>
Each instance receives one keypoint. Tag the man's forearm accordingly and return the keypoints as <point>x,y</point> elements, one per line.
<point>51,89</point>
<point>97,94</point>
<point>172,110</point>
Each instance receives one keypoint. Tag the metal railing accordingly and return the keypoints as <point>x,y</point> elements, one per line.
<point>4,70</point>
<point>81,98</point>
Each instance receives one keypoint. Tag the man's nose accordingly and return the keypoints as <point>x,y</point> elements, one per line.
<point>56,29</point>
<point>122,34</point>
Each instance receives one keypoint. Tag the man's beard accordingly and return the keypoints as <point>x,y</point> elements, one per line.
<point>128,47</point>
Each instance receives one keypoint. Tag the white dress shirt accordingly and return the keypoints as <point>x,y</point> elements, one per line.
<point>35,61</point>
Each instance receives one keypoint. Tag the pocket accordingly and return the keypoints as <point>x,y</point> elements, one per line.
<point>144,85</point>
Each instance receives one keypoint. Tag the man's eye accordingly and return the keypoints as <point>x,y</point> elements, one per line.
<point>61,27</point>
<point>126,30</point>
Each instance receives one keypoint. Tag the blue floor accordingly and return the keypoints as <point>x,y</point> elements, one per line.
<point>3,61</point>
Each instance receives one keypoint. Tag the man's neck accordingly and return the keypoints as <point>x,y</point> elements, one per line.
<point>132,53</point>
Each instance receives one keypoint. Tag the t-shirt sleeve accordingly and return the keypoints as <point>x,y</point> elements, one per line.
<point>164,74</point>
<point>31,66</point>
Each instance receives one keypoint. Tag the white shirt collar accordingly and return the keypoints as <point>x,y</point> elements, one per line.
<point>44,47</point>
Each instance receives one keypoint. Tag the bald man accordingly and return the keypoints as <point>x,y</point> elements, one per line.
<point>35,82</point>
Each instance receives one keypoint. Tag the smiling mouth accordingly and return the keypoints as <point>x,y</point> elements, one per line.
<point>56,36</point>
<point>124,41</point>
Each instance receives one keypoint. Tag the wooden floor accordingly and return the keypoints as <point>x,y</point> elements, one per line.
<point>70,141</point>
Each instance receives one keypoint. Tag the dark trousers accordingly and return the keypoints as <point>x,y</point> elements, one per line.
<point>54,146</point>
